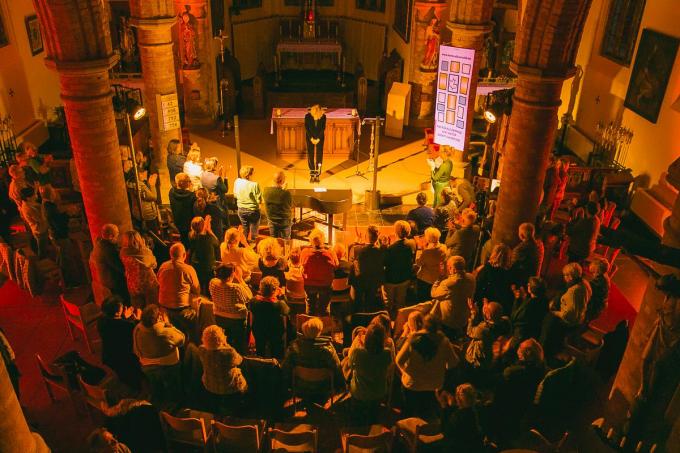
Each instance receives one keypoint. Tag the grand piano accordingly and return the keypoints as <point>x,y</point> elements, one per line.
<point>328,202</point>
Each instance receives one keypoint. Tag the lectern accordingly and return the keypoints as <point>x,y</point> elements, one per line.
<point>397,111</point>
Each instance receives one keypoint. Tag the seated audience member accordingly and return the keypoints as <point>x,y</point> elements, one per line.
<point>414,323</point>
<point>178,285</point>
<point>464,193</point>
<point>278,203</point>
<point>193,167</point>
<point>271,262</point>
<point>156,342</point>
<point>115,330</point>
<point>452,295</point>
<point>311,350</point>
<point>32,213</point>
<point>222,377</point>
<point>203,244</point>
<point>344,267</point>
<point>248,198</point>
<point>269,319</point>
<point>207,204</point>
<point>175,160</point>
<point>599,283</point>
<point>482,334</point>
<point>423,361</point>
<point>583,234</point>
<point>529,310</point>
<point>182,200</point>
<point>368,273</point>
<point>370,367</point>
<point>136,423</point>
<point>19,182</point>
<point>230,294</point>
<point>494,279</point>
<point>463,241</point>
<point>102,441</point>
<point>139,263</point>
<point>569,313</point>
<point>430,263</point>
<point>295,270</point>
<point>445,211</point>
<point>399,257</point>
<point>423,215</point>
<point>106,259</point>
<point>460,420</point>
<point>319,264</point>
<point>58,229</point>
<point>236,250</point>
<point>527,256</point>
<point>213,180</point>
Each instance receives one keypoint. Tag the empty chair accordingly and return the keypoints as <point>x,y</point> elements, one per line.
<point>416,432</point>
<point>298,438</point>
<point>296,297</point>
<point>236,436</point>
<point>328,323</point>
<point>52,380</point>
<point>82,317</point>
<point>376,439</point>
<point>94,395</point>
<point>184,431</point>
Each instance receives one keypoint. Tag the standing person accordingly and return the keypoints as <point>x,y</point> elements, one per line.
<point>203,245</point>
<point>57,227</point>
<point>583,234</point>
<point>279,205</point>
<point>213,180</point>
<point>554,187</point>
<point>453,293</point>
<point>527,256</point>
<point>182,200</point>
<point>115,329</point>
<point>207,204</point>
<point>440,170</point>
<point>194,167</point>
<point>315,127</point>
<point>269,323</point>
<point>178,285</point>
<point>139,263</point>
<point>107,263</point>
<point>248,198</point>
<point>36,166</point>
<point>529,310</point>
<point>368,273</point>
<point>149,214</point>
<point>423,215</point>
<point>271,262</point>
<point>19,182</point>
<point>230,294</point>
<point>32,213</point>
<point>236,250</point>
<point>399,258</point>
<point>494,279</point>
<point>175,159</point>
<point>463,241</point>
<point>319,265</point>
<point>599,283</point>
<point>430,263</point>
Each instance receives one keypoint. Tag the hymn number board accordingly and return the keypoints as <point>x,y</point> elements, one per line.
<point>168,111</point>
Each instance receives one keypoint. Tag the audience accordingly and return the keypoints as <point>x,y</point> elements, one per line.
<point>115,330</point>
<point>271,261</point>
<point>423,215</point>
<point>452,295</point>
<point>105,257</point>
<point>463,241</point>
<point>599,284</point>
<point>248,198</point>
<point>583,234</point>
<point>430,264</point>
<point>18,183</point>
<point>399,258</point>
<point>182,200</point>
<point>213,180</point>
<point>175,160</point>
<point>139,264</point>
<point>32,213</point>
<point>494,279</point>
<point>319,265</point>
<point>207,204</point>
<point>527,256</point>
<point>102,441</point>
<point>58,229</point>
<point>230,294</point>
<point>193,166</point>
<point>203,243</point>
<point>278,203</point>
<point>484,333</point>
<point>236,250</point>
<point>368,273</point>
<point>554,187</point>
<point>529,310</point>
<point>460,420</point>
<point>269,319</point>
<point>178,286</point>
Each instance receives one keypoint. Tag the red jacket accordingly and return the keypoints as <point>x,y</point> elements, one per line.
<point>319,266</point>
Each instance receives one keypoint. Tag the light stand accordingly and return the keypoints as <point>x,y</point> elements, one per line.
<point>138,112</point>
<point>372,197</point>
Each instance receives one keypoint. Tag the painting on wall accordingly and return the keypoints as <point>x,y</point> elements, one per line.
<point>3,33</point>
<point>247,4</point>
<point>35,41</point>
<point>377,6</point>
<point>402,18</point>
<point>300,2</point>
<point>651,72</point>
<point>620,34</point>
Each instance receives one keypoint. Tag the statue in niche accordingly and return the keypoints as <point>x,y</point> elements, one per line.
<point>489,54</point>
<point>128,44</point>
<point>432,39</point>
<point>188,34</point>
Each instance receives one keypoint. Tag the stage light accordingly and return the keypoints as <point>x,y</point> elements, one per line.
<point>135,110</point>
<point>491,114</point>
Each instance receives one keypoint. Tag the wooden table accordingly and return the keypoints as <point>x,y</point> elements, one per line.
<point>341,131</point>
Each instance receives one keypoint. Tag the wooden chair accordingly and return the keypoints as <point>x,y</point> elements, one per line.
<point>377,439</point>
<point>316,375</point>
<point>341,292</point>
<point>82,317</point>
<point>184,431</point>
<point>296,295</point>
<point>53,380</point>
<point>403,314</point>
<point>299,438</point>
<point>328,323</point>
<point>94,396</point>
<point>416,432</point>
<point>236,436</point>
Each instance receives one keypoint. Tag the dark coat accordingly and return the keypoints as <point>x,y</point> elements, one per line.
<point>106,259</point>
<point>182,206</point>
<point>315,129</point>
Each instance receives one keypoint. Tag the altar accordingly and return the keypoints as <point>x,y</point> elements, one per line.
<point>342,129</point>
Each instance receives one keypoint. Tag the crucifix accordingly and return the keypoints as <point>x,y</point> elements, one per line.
<point>222,37</point>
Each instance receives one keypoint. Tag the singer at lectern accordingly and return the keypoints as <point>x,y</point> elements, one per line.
<point>315,126</point>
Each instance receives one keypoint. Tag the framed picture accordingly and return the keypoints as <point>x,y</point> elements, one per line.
<point>653,66</point>
<point>377,6</point>
<point>35,41</point>
<point>3,34</point>
<point>247,4</point>
<point>300,2</point>
<point>402,18</point>
<point>621,31</point>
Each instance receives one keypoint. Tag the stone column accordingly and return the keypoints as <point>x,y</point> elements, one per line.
<point>15,436</point>
<point>198,72</point>
<point>78,44</point>
<point>154,22</point>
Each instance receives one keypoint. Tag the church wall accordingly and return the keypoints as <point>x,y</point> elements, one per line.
<point>605,83</point>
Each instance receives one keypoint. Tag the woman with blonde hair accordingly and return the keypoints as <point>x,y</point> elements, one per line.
<point>248,198</point>
<point>236,250</point>
<point>494,279</point>
<point>430,264</point>
<point>271,262</point>
<point>222,377</point>
<point>139,263</point>
<point>194,167</point>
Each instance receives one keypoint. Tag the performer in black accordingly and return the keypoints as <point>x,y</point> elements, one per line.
<point>315,125</point>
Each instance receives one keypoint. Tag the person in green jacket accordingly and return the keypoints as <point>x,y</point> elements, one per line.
<point>441,168</point>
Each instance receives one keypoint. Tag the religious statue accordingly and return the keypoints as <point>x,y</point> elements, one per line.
<point>430,58</point>
<point>189,37</point>
<point>128,45</point>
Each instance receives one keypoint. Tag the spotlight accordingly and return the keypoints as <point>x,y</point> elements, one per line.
<point>135,110</point>
<point>491,114</point>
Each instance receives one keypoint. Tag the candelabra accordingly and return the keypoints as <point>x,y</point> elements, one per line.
<point>613,142</point>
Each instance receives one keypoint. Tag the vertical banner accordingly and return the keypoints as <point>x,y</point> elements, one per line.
<point>453,91</point>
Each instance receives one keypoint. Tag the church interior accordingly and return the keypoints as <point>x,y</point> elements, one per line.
<point>456,223</point>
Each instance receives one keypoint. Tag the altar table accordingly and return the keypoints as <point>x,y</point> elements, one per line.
<point>342,129</point>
